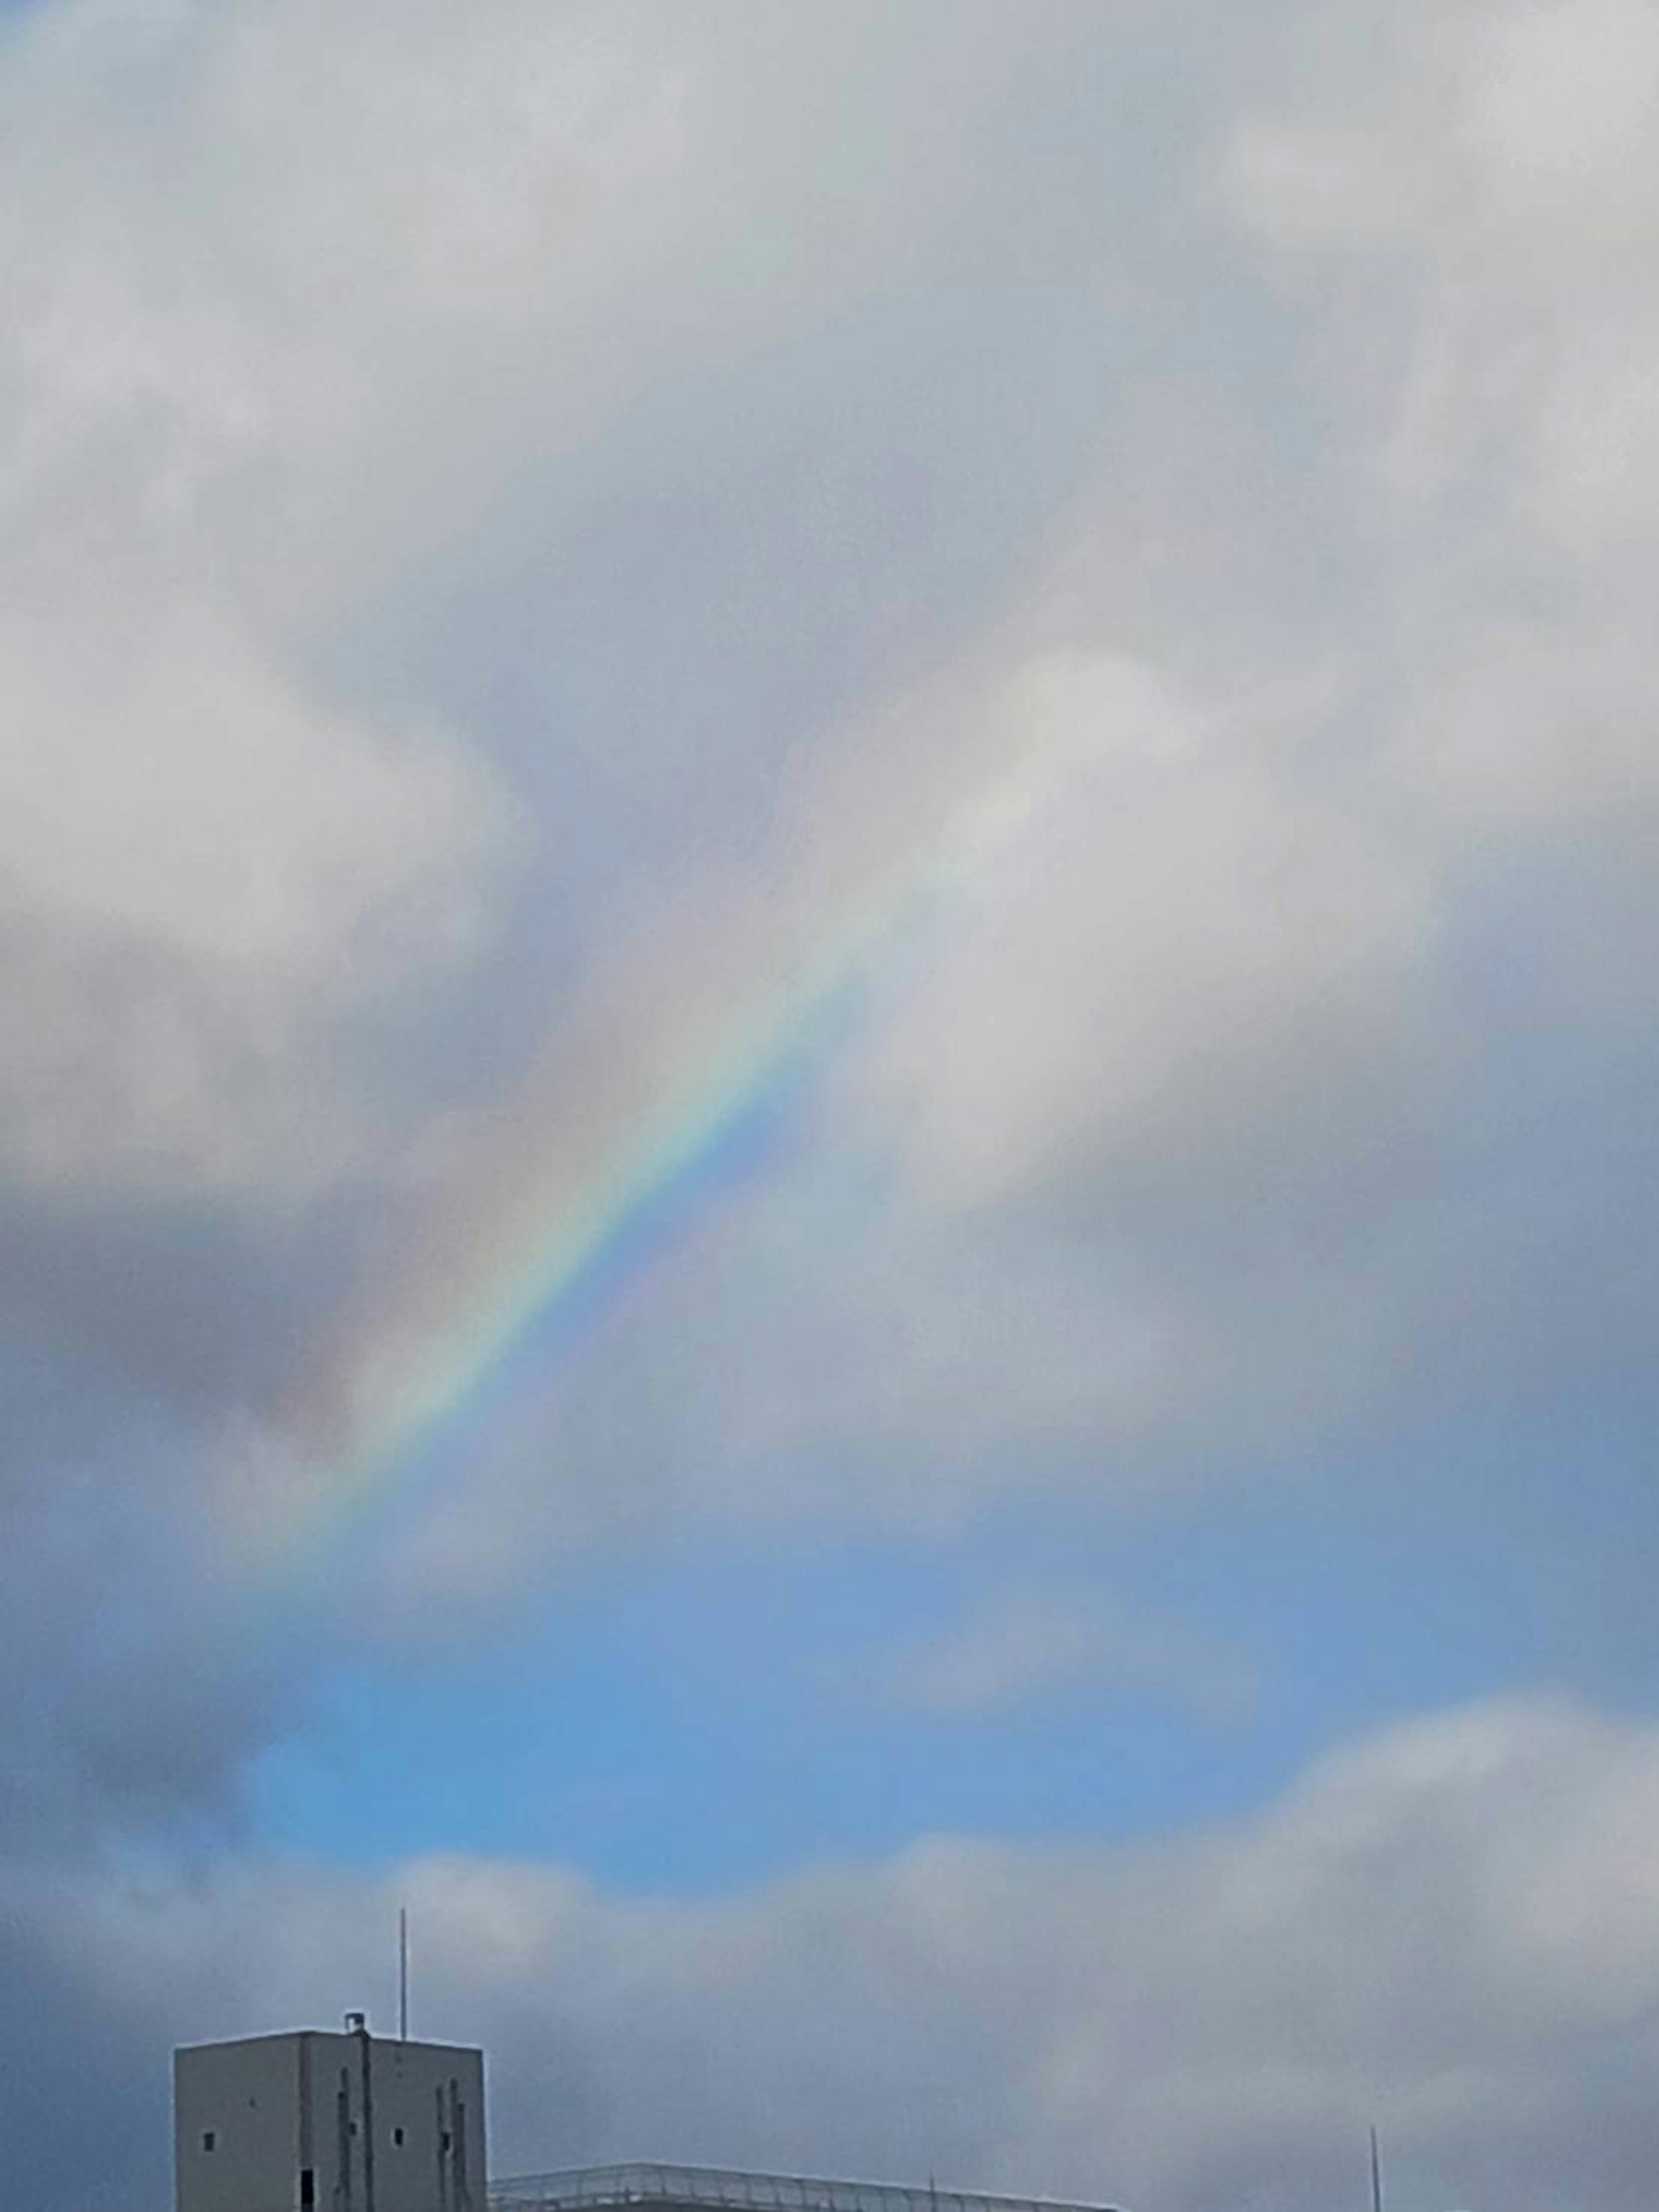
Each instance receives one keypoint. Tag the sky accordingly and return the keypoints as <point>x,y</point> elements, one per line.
<point>827,1080</point>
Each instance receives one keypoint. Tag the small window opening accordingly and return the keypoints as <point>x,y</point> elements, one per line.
<point>398,2137</point>
<point>307,2187</point>
<point>208,2139</point>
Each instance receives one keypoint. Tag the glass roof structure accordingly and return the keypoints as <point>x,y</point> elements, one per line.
<point>609,2188</point>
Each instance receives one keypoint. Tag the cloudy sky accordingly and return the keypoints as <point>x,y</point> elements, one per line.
<point>828,905</point>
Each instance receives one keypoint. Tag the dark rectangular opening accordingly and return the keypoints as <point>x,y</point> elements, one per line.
<point>208,2139</point>
<point>398,2137</point>
<point>307,2187</point>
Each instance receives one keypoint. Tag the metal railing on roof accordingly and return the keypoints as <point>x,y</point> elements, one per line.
<point>582,2189</point>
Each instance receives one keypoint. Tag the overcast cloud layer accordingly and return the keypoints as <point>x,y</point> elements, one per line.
<point>520,525</point>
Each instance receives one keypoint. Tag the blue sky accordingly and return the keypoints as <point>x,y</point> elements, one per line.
<point>700,1716</point>
<point>700,1721</point>
<point>945,711</point>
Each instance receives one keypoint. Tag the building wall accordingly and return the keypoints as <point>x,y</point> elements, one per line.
<point>235,2125</point>
<point>317,2123</point>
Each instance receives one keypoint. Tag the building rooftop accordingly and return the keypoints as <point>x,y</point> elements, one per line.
<point>599,2188</point>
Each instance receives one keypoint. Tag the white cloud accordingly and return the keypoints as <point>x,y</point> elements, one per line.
<point>1563,101</point>
<point>1451,1930</point>
<point>1508,322</point>
<point>1161,953</point>
<point>209,863</point>
<point>1027,1646</point>
<point>1325,186</point>
<point>381,401</point>
<point>1148,1165</point>
<point>285,333</point>
<point>744,436</point>
<point>202,875</point>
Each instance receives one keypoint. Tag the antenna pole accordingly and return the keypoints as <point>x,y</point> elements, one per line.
<point>1376,2175</point>
<point>402,1973</point>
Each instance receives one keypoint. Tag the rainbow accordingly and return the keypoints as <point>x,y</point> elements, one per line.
<point>565,1254</point>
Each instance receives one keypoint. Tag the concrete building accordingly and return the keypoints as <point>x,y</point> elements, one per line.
<point>313,2122</point>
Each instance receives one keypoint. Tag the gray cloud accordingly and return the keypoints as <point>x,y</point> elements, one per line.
<point>1449,1930</point>
<point>1217,1132</point>
<point>510,532</point>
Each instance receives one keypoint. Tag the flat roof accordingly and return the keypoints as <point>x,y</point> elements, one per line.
<point>577,2188</point>
<point>330,2034</point>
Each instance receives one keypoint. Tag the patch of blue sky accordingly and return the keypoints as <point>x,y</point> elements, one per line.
<point>716,1716</point>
